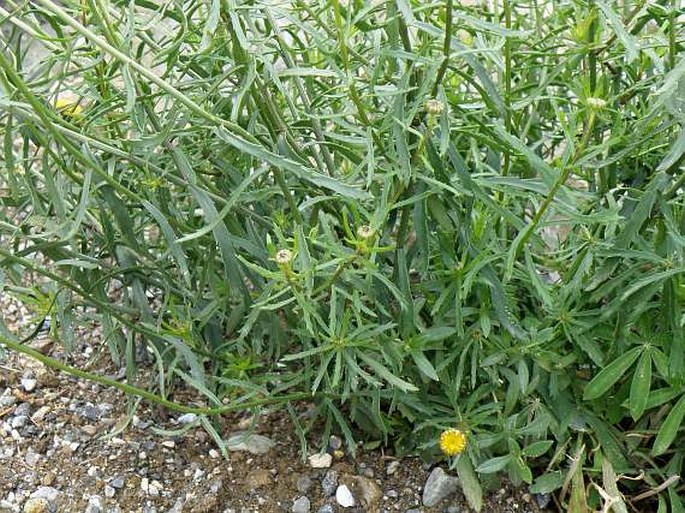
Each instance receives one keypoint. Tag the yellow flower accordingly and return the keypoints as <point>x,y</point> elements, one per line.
<point>452,442</point>
<point>69,107</point>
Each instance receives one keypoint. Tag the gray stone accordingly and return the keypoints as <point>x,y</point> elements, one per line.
<point>334,442</point>
<point>187,418</point>
<point>543,499</point>
<point>326,508</point>
<point>438,486</point>
<point>453,509</point>
<point>7,400</point>
<point>329,483</point>
<point>95,504</point>
<point>344,497</point>
<point>109,491</point>
<point>252,443</point>
<point>117,482</point>
<point>304,483</point>
<point>29,384</point>
<point>90,412</point>
<point>19,421</point>
<point>22,409</point>
<point>301,505</point>
<point>413,510</point>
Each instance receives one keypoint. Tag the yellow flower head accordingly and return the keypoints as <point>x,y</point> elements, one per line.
<point>452,442</point>
<point>69,107</point>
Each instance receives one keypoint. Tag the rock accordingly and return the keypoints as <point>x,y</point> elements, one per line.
<point>31,458</point>
<point>301,505</point>
<point>169,444</point>
<point>326,508</point>
<point>187,418</point>
<point>367,490</point>
<point>453,509</point>
<point>214,454</point>
<point>95,504</point>
<point>29,384</point>
<point>43,500</point>
<point>542,499</point>
<point>392,467</point>
<point>258,478</point>
<point>252,443</point>
<point>413,510</point>
<point>109,491</point>
<point>320,460</point>
<point>438,486</point>
<point>40,414</point>
<point>392,494</point>
<point>37,506</point>
<point>19,421</point>
<point>117,482</point>
<point>304,483</point>
<point>24,409</point>
<point>344,497</point>
<point>334,443</point>
<point>90,412</point>
<point>329,483</point>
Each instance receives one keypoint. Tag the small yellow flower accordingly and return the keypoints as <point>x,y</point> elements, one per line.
<point>69,107</point>
<point>452,442</point>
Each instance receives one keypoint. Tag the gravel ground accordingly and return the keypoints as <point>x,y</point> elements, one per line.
<point>68,445</point>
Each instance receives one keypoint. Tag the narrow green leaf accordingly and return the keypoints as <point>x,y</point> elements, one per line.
<point>610,374</point>
<point>470,484</point>
<point>494,464</point>
<point>670,427</point>
<point>641,385</point>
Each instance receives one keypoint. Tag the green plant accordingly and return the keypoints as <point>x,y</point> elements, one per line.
<point>415,215</point>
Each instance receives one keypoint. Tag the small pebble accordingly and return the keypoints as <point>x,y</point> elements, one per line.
<point>334,442</point>
<point>109,491</point>
<point>344,497</point>
<point>392,467</point>
<point>117,482</point>
<point>19,422</point>
<point>214,454</point>
<point>169,444</point>
<point>326,508</point>
<point>187,418</point>
<point>329,483</point>
<point>304,483</point>
<point>320,460</point>
<point>29,384</point>
<point>301,505</point>
<point>95,504</point>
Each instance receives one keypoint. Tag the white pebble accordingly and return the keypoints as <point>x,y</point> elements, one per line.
<point>320,460</point>
<point>29,384</point>
<point>344,497</point>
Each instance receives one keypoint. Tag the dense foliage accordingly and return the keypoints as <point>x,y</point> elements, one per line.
<point>417,215</point>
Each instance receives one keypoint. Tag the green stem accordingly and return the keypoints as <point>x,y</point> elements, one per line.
<point>557,185</point>
<point>445,48</point>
